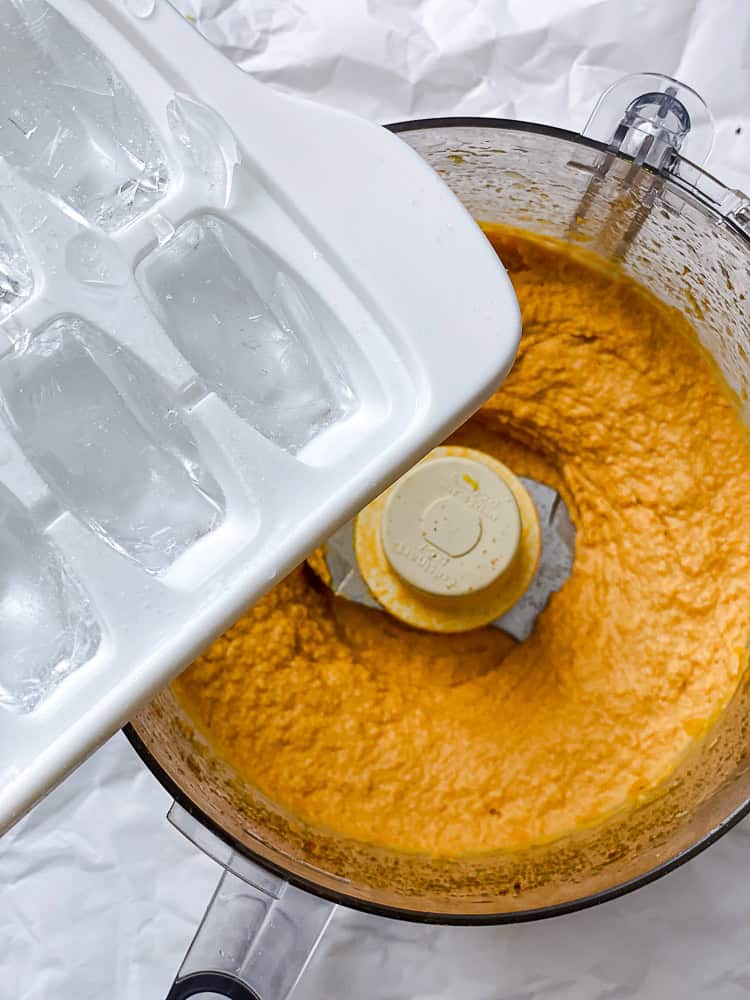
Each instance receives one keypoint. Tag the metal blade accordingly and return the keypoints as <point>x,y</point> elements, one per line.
<point>555,564</point>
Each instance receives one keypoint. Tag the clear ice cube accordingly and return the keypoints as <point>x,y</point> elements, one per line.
<point>100,428</point>
<point>70,122</point>
<point>207,144</point>
<point>254,334</point>
<point>46,622</point>
<point>16,281</point>
<point>96,261</point>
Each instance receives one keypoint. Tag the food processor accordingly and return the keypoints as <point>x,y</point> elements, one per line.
<point>631,190</point>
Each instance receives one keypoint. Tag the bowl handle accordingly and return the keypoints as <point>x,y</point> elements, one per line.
<point>258,933</point>
<point>210,983</point>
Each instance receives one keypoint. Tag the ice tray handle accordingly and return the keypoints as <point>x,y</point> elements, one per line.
<point>258,934</point>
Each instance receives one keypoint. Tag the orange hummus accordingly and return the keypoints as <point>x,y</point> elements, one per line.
<point>471,743</point>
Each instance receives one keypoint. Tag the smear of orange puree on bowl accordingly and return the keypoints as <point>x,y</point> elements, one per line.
<point>470,743</point>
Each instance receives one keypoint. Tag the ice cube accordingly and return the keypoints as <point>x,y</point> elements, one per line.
<point>15,273</point>
<point>46,622</point>
<point>100,428</point>
<point>70,122</point>
<point>94,260</point>
<point>207,143</point>
<point>255,335</point>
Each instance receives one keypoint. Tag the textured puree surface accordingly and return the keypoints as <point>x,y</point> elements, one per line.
<point>470,743</point>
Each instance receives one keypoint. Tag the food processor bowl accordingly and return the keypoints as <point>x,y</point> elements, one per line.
<point>623,191</point>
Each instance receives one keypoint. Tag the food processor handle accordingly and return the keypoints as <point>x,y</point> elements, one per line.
<point>211,983</point>
<point>258,933</point>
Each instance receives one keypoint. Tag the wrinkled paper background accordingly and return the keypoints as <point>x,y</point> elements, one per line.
<point>100,897</point>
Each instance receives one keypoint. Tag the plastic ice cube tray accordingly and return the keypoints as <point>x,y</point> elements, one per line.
<point>228,318</point>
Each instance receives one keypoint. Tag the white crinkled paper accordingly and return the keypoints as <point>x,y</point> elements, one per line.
<point>539,60</point>
<point>100,897</point>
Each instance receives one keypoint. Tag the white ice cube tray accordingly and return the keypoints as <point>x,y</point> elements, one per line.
<point>228,318</point>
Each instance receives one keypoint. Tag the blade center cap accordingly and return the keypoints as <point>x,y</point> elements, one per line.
<point>451,526</point>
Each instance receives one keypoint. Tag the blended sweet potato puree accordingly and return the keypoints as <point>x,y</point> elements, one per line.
<point>471,743</point>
